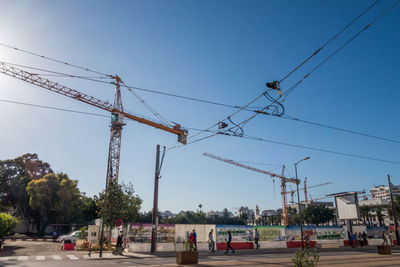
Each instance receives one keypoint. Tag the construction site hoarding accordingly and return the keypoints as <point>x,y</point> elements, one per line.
<point>271,232</point>
<point>141,233</point>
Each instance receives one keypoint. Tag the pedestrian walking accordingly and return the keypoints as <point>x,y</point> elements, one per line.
<point>211,243</point>
<point>228,243</point>
<point>360,239</point>
<point>384,238</point>
<point>118,248</point>
<point>256,238</point>
<point>353,242</point>
<point>364,235</point>
<point>307,239</point>
<point>390,236</point>
<point>194,239</point>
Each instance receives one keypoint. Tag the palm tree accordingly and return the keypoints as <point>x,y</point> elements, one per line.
<point>380,215</point>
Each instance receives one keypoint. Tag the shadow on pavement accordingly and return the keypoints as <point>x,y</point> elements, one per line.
<point>9,250</point>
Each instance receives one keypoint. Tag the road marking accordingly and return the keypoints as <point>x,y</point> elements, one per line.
<point>57,257</point>
<point>72,257</point>
<point>4,258</point>
<point>22,258</point>
<point>40,258</point>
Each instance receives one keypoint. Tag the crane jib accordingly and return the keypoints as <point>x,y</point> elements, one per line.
<point>74,94</point>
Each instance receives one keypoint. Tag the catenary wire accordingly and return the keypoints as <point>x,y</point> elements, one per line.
<point>330,40</point>
<point>94,79</point>
<point>214,133</point>
<point>54,108</point>
<point>215,103</point>
<point>285,95</point>
<point>339,129</point>
<point>55,60</point>
<point>319,149</point>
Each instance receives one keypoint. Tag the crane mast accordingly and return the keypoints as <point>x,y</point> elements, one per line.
<point>284,199</point>
<point>284,180</point>
<point>114,148</point>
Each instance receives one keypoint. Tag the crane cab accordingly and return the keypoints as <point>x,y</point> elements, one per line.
<point>117,118</point>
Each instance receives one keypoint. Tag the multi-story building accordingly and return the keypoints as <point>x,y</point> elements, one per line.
<point>382,191</point>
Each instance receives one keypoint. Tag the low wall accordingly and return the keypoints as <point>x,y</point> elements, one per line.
<point>139,235</point>
<point>146,247</point>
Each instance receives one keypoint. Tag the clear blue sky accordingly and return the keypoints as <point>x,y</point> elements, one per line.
<point>222,51</point>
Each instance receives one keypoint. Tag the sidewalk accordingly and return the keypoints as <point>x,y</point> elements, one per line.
<point>168,254</point>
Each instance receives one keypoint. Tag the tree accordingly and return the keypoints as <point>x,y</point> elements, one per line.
<point>54,199</point>
<point>379,215</point>
<point>293,216</point>
<point>365,214</point>
<point>7,224</point>
<point>317,214</point>
<point>121,203</point>
<point>15,174</point>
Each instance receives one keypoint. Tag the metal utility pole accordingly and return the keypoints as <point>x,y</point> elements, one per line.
<point>396,225</point>
<point>298,201</point>
<point>155,202</point>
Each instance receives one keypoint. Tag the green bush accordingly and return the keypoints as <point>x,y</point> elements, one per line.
<point>305,258</point>
<point>187,246</point>
<point>83,234</point>
<point>7,224</point>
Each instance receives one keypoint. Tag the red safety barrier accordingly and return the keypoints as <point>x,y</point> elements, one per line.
<point>236,245</point>
<point>69,246</point>
<point>297,244</point>
<point>346,243</point>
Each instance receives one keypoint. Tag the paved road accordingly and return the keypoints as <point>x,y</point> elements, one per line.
<point>35,254</point>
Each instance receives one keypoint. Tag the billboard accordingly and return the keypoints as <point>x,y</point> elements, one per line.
<point>271,232</point>
<point>141,233</point>
<point>240,233</point>
<point>347,206</point>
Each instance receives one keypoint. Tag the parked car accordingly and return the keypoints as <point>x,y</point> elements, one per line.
<point>73,236</point>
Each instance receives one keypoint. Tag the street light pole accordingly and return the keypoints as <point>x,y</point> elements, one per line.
<point>298,201</point>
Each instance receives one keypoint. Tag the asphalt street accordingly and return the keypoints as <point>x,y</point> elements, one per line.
<point>26,253</point>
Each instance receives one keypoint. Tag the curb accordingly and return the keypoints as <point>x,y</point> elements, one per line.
<point>31,239</point>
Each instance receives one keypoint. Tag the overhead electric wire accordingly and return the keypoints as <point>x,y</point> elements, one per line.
<point>340,129</point>
<point>55,60</point>
<point>319,149</point>
<point>285,95</point>
<point>54,108</point>
<point>151,109</point>
<point>232,114</point>
<point>330,40</point>
<point>59,73</point>
<point>288,117</point>
<point>214,133</point>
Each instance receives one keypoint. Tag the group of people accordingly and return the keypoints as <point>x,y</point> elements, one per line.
<point>211,243</point>
<point>359,239</point>
<point>391,236</point>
